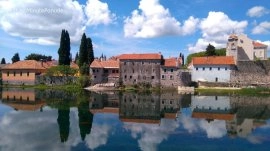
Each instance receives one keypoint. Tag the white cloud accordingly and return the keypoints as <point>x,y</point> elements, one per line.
<point>153,20</point>
<point>257,11</point>
<point>98,12</point>
<point>41,22</point>
<point>215,30</point>
<point>262,28</point>
<point>214,129</point>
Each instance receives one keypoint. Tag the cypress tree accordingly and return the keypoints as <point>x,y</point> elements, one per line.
<point>64,49</point>
<point>76,58</point>
<point>83,51</point>
<point>3,61</point>
<point>90,51</point>
<point>210,50</point>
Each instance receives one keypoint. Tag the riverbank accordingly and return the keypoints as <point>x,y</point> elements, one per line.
<point>68,87</point>
<point>259,91</point>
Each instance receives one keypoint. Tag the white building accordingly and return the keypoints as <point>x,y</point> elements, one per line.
<point>212,68</point>
<point>244,48</point>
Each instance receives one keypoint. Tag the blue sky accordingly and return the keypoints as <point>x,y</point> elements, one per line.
<point>134,26</point>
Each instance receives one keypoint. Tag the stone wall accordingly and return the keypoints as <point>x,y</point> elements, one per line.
<point>55,80</point>
<point>178,77</point>
<point>251,73</point>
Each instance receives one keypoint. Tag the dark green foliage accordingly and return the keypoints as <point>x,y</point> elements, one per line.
<point>38,57</point>
<point>76,58</point>
<point>90,51</point>
<point>64,49</point>
<point>84,69</point>
<point>3,61</point>
<point>84,81</point>
<point>210,50</point>
<point>15,58</point>
<point>61,70</point>
<point>63,123</point>
<point>83,51</point>
<point>221,52</point>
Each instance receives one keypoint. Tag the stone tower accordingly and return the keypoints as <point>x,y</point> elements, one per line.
<point>231,49</point>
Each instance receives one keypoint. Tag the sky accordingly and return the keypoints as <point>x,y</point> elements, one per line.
<point>129,26</point>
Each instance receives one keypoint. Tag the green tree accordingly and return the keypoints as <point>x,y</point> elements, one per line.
<point>64,49</point>
<point>63,123</point>
<point>38,57</point>
<point>76,58</point>
<point>15,58</point>
<point>61,70</point>
<point>190,56</point>
<point>85,117</point>
<point>221,52</point>
<point>83,57</point>
<point>90,51</point>
<point>3,61</point>
<point>210,50</point>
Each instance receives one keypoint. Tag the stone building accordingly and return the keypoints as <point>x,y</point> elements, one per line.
<point>212,68</point>
<point>140,68</point>
<point>104,71</point>
<point>243,48</point>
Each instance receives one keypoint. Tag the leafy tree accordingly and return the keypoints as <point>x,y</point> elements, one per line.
<point>221,52</point>
<point>15,58</point>
<point>190,56</point>
<point>64,49</point>
<point>3,61</point>
<point>38,57</point>
<point>210,50</point>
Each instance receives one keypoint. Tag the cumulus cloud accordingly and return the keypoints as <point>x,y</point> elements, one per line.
<point>215,30</point>
<point>41,22</point>
<point>98,12</point>
<point>257,11</point>
<point>153,20</point>
<point>262,28</point>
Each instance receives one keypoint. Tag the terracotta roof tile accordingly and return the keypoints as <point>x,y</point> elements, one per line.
<point>74,65</point>
<point>217,116</point>
<point>213,60</point>
<point>149,56</point>
<point>26,64</point>
<point>147,121</point>
<point>105,64</point>
<point>258,44</point>
<point>171,62</point>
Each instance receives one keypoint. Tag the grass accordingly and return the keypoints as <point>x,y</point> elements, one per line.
<point>68,87</point>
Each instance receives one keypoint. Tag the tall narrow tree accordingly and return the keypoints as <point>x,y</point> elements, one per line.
<point>15,58</point>
<point>90,51</point>
<point>3,61</point>
<point>64,49</point>
<point>83,51</point>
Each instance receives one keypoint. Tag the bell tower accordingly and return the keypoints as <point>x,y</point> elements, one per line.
<point>231,49</point>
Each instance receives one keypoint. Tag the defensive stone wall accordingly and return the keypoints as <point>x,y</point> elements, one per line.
<point>251,73</point>
<point>55,80</point>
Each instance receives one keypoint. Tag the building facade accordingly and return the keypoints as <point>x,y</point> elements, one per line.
<point>212,69</point>
<point>104,71</point>
<point>140,69</point>
<point>243,48</point>
<point>23,72</point>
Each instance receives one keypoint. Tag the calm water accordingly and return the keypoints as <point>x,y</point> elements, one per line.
<point>56,120</point>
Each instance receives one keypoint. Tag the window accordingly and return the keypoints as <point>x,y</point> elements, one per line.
<point>154,70</point>
<point>14,73</point>
<point>125,63</point>
<point>218,68</point>
<point>125,76</point>
<point>113,71</point>
<point>153,77</point>
<point>216,98</point>
<point>7,73</point>
<point>171,77</point>
<point>106,71</point>
<point>241,41</point>
<point>203,68</point>
<point>28,74</point>
<point>130,77</point>
<point>225,68</point>
<point>216,79</point>
<point>142,62</point>
<point>116,71</point>
<point>196,68</point>
<point>21,74</point>
<point>97,70</point>
<point>165,70</point>
<point>95,77</point>
<point>94,70</point>
<point>210,68</point>
<point>163,77</point>
<point>171,70</point>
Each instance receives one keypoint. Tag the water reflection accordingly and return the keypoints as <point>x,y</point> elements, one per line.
<point>145,121</point>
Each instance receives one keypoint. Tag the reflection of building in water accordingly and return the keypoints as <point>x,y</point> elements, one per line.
<point>170,104</point>
<point>104,102</point>
<point>140,108</point>
<point>241,119</point>
<point>22,99</point>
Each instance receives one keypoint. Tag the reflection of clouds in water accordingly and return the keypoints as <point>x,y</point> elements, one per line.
<point>151,135</point>
<point>35,131</point>
<point>255,139</point>
<point>214,129</point>
<point>98,136</point>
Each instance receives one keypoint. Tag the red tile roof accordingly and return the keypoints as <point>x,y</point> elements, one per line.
<point>105,64</point>
<point>258,44</point>
<point>217,116</point>
<point>26,64</point>
<point>171,62</point>
<point>147,56</point>
<point>213,60</point>
<point>147,121</point>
